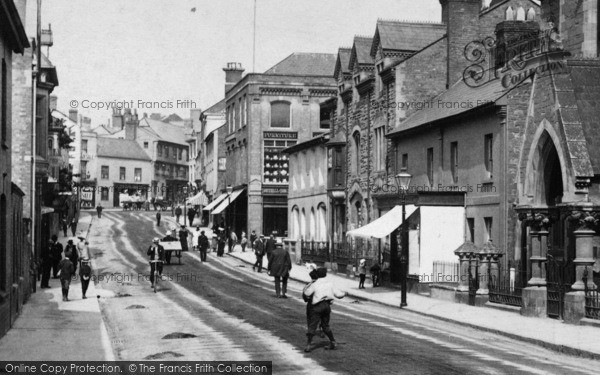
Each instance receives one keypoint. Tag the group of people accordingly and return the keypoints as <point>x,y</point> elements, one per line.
<point>62,264</point>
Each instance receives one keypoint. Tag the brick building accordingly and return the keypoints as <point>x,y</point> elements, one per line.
<point>14,250</point>
<point>266,113</point>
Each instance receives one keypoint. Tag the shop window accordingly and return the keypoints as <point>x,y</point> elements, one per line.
<point>104,193</point>
<point>276,163</point>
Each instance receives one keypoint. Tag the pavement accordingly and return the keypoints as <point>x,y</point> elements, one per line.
<point>66,329</point>
<point>548,333</point>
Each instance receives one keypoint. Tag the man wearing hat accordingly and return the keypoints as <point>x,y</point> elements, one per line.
<point>203,246</point>
<point>183,238</point>
<point>280,265</point>
<point>46,264</point>
<point>67,270</point>
<point>57,254</point>
<point>73,254</point>
<point>156,252</point>
<point>259,251</point>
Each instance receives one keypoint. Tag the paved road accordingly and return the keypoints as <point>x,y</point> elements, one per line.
<point>222,310</point>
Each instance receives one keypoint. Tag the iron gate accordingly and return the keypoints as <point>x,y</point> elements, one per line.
<point>560,275</point>
<point>473,283</point>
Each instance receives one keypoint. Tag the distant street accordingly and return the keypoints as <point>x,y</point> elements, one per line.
<point>221,310</point>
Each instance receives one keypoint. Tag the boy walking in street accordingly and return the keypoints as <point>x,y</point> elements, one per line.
<point>66,273</point>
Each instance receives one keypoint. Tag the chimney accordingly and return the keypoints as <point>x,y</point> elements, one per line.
<point>462,22</point>
<point>73,115</point>
<point>515,38</point>
<point>117,119</point>
<point>131,124</point>
<point>233,74</point>
<point>53,100</point>
<point>86,123</point>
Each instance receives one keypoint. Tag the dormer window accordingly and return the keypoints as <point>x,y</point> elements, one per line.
<point>357,79</point>
<point>380,67</point>
<point>341,87</point>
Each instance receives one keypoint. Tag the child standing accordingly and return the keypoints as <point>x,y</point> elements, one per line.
<point>362,273</point>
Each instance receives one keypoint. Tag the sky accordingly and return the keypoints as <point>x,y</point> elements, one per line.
<point>174,50</point>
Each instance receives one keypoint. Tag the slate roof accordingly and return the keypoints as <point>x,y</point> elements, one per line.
<point>120,148</point>
<point>361,52</point>
<point>585,76</point>
<point>305,64</point>
<point>164,131</point>
<point>459,99</point>
<point>342,61</point>
<point>216,108</point>
<point>405,36</point>
<point>172,118</point>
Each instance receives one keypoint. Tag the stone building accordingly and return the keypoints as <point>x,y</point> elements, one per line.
<point>266,113</point>
<point>14,251</point>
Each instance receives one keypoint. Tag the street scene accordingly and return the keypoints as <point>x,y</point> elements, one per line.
<point>313,187</point>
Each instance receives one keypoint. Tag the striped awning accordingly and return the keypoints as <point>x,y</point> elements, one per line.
<point>199,199</point>
<point>215,202</point>
<point>226,202</point>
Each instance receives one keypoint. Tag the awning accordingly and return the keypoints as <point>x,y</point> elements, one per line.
<point>384,225</point>
<point>198,199</point>
<point>47,210</point>
<point>226,202</point>
<point>215,202</point>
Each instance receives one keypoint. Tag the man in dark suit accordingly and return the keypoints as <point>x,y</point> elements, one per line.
<point>155,252</point>
<point>259,251</point>
<point>270,246</point>
<point>280,265</point>
<point>57,253</point>
<point>203,246</point>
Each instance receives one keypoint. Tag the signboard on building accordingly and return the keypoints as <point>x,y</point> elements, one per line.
<point>87,197</point>
<point>280,135</point>
<point>222,164</point>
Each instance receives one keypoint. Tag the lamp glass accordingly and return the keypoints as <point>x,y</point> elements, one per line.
<point>403,179</point>
<point>229,189</point>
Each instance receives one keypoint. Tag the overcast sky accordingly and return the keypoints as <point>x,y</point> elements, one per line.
<point>162,50</point>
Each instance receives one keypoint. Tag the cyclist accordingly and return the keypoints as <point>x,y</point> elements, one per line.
<point>156,253</point>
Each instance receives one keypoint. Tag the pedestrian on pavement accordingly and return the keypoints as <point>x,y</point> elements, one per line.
<point>155,252</point>
<point>73,227</point>
<point>259,251</point>
<point>71,249</point>
<point>85,274</point>
<point>375,271</point>
<point>65,226</point>
<point>279,267</point>
<point>99,210</point>
<point>158,216</point>
<point>167,254</point>
<point>178,213</point>
<point>183,239</point>
<point>270,245</point>
<point>244,241</point>
<point>67,270</point>
<point>191,215</point>
<point>323,293</point>
<point>57,255</point>
<point>203,246</point>
<point>195,237</point>
<point>46,264</point>
<point>221,244</point>
<point>252,238</point>
<point>362,273</point>
<point>232,240</point>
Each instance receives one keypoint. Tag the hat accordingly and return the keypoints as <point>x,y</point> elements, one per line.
<point>201,232</point>
<point>183,226</point>
<point>81,238</point>
<point>54,237</point>
<point>156,239</point>
<point>311,266</point>
<point>261,235</point>
<point>362,261</point>
<point>279,242</point>
<point>50,241</point>
<point>169,233</point>
<point>321,272</point>
<point>72,239</point>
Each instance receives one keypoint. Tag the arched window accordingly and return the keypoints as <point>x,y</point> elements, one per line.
<point>531,14</point>
<point>356,150</point>
<point>303,224</point>
<point>280,114</point>
<point>520,14</point>
<point>510,14</point>
<point>313,225</point>
<point>322,222</point>
<point>50,145</point>
<point>295,223</point>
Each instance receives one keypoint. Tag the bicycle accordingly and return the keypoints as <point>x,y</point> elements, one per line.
<point>156,273</point>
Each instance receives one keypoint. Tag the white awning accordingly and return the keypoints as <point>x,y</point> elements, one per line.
<point>383,226</point>
<point>47,210</point>
<point>198,199</point>
<point>215,202</point>
<point>227,201</point>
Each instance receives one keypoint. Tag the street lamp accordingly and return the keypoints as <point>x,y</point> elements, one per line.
<point>185,190</point>
<point>403,181</point>
<point>229,191</point>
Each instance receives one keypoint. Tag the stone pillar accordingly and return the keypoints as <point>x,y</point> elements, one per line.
<point>495,269</point>
<point>584,252</point>
<point>464,253</point>
<point>484,274</point>
<point>463,282</point>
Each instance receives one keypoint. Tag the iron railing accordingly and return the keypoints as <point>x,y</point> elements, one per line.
<point>316,251</point>
<point>592,299</point>
<point>507,287</point>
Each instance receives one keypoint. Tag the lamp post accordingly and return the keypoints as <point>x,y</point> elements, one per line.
<point>403,181</point>
<point>185,190</point>
<point>229,191</point>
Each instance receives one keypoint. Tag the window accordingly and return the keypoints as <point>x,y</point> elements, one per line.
<point>430,165</point>
<point>471,227</point>
<point>180,154</point>
<point>3,254</point>
<point>404,163</point>
<point>137,174</point>
<point>245,111</point>
<point>276,163</point>
<point>166,151</point>
<point>122,173</point>
<point>145,144</point>
<point>489,161</point>
<point>325,119</point>
<point>4,102</point>
<point>238,115</point>
<point>531,14</point>
<point>380,146</point>
<point>104,172</point>
<point>280,115</point>
<point>160,151</point>
<point>50,146</point>
<point>356,149</point>
<point>84,145</point>
<point>454,161</point>
<point>104,193</point>
<point>84,171</point>
<point>233,117</point>
<point>338,167</point>
<point>488,228</point>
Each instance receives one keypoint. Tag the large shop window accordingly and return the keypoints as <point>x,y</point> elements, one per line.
<point>280,115</point>
<point>276,164</point>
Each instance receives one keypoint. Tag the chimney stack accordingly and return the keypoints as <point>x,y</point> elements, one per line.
<point>117,119</point>
<point>131,124</point>
<point>462,22</point>
<point>73,115</point>
<point>233,74</point>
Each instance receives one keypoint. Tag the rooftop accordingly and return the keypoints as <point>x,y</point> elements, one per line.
<point>164,131</point>
<point>121,149</point>
<point>361,52</point>
<point>405,36</point>
<point>305,64</point>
